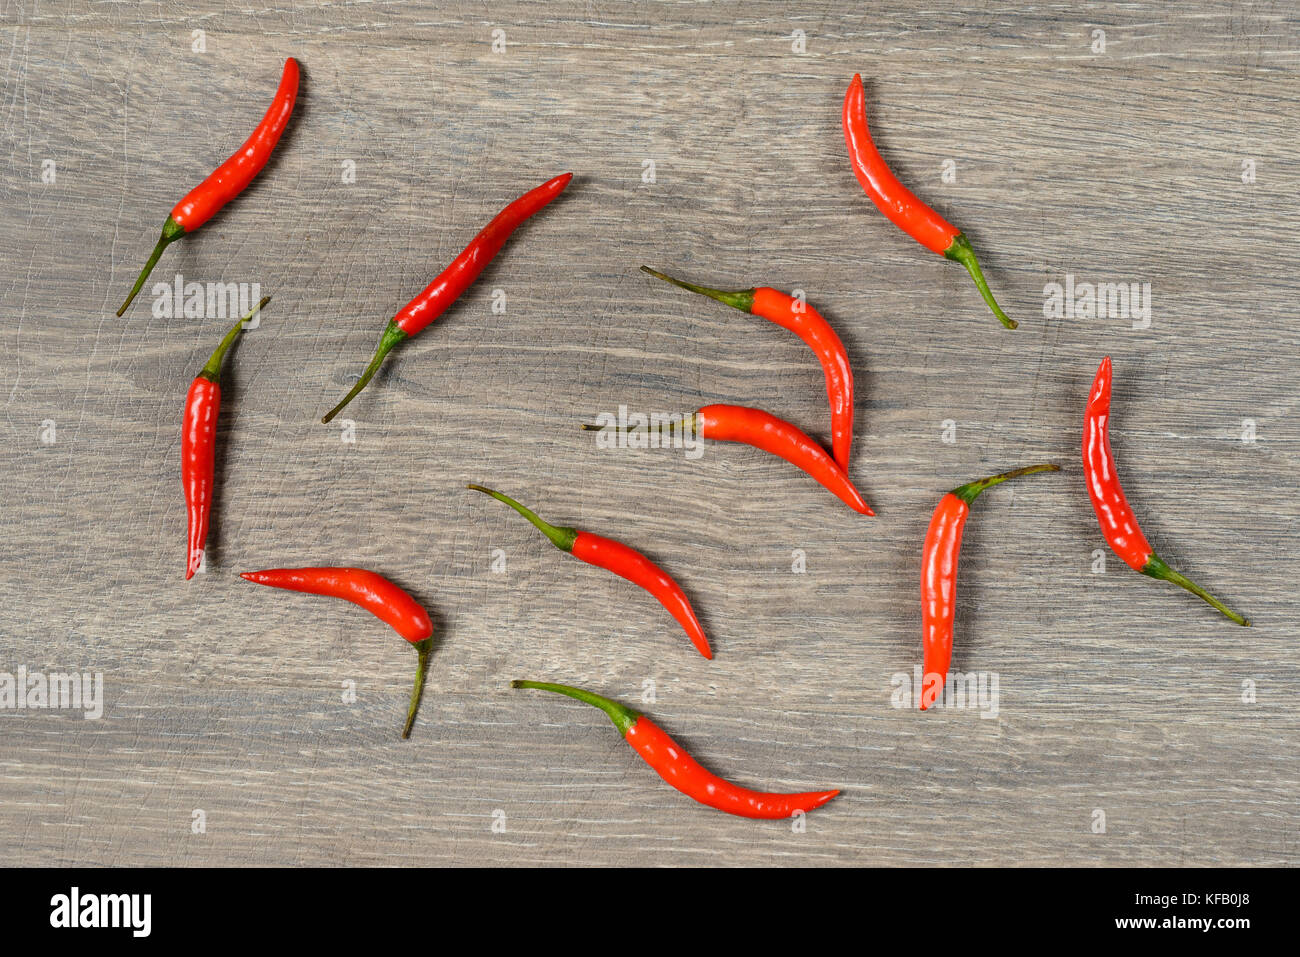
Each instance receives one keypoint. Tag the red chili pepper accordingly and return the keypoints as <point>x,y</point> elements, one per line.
<point>1118,523</point>
<point>622,561</point>
<point>939,575</point>
<point>762,430</point>
<point>198,443</point>
<point>682,771</point>
<point>230,178</point>
<point>900,204</point>
<point>810,326</point>
<point>377,595</point>
<point>456,278</point>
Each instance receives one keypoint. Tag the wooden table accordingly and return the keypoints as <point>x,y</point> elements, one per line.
<point>1133,725</point>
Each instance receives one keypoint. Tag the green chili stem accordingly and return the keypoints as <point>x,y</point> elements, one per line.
<point>1156,568</point>
<point>961,251</point>
<point>171,232</point>
<point>971,490</point>
<point>212,371</point>
<point>742,299</point>
<point>562,538</point>
<point>622,716</point>
<point>393,334</point>
<point>422,648</point>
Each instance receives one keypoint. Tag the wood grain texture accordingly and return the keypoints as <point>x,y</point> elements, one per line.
<point>1117,694</point>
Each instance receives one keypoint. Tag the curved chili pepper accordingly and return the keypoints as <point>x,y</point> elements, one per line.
<point>939,575</point>
<point>456,278</point>
<point>1118,523</point>
<point>682,771</point>
<point>230,178</point>
<point>198,443</point>
<point>622,561</point>
<point>377,595</point>
<point>810,326</point>
<point>762,430</point>
<point>900,204</point>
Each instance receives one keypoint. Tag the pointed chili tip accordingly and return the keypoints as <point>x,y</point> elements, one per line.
<point>248,576</point>
<point>859,504</point>
<point>557,183</point>
<point>189,573</point>
<point>826,796</point>
<point>1099,391</point>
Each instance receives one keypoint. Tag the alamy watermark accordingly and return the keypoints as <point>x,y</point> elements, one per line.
<point>179,299</point>
<point>131,912</point>
<point>642,430</point>
<point>34,690</point>
<point>1101,300</point>
<point>971,690</point>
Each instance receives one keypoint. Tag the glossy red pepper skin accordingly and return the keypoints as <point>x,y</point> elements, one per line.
<point>233,176</point>
<point>198,445</point>
<point>482,249</point>
<point>896,201</point>
<point>1118,523</point>
<point>810,326</point>
<point>376,594</point>
<point>622,560</point>
<point>939,559</point>
<point>683,772</point>
<point>628,563</point>
<point>762,430</point>
<point>900,205</point>
<point>452,282</point>
<point>230,178</point>
<point>388,602</point>
<point>198,457</point>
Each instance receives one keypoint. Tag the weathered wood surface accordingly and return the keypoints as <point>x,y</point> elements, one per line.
<point>1117,694</point>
